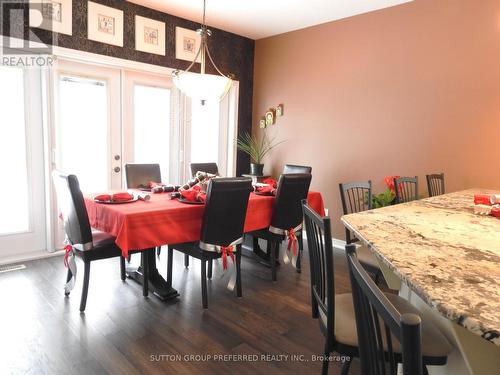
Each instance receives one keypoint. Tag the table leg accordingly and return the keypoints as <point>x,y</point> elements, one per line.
<point>160,287</point>
<point>254,251</point>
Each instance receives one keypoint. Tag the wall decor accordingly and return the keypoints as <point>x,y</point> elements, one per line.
<point>52,15</point>
<point>279,110</point>
<point>105,24</point>
<point>270,117</point>
<point>149,35</point>
<point>187,43</point>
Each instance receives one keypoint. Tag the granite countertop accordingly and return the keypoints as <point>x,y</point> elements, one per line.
<point>444,253</point>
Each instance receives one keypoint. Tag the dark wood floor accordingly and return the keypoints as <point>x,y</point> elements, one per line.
<point>42,332</point>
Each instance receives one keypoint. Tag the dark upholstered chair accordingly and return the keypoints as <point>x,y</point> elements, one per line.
<point>357,197</point>
<point>406,189</point>
<point>137,175</point>
<point>335,312</point>
<point>287,215</point>
<point>204,167</point>
<point>223,223</point>
<point>141,174</point>
<point>290,168</point>
<point>88,245</point>
<point>435,184</point>
<point>389,333</point>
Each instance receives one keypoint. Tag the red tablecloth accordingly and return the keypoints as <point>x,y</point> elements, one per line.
<point>162,221</point>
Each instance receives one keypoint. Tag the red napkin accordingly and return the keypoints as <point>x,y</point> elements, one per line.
<point>266,189</point>
<point>117,197</point>
<point>270,181</point>
<point>482,199</point>
<point>194,194</point>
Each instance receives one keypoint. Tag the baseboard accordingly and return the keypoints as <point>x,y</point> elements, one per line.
<point>26,257</point>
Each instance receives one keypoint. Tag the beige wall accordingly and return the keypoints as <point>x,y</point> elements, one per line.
<point>408,90</point>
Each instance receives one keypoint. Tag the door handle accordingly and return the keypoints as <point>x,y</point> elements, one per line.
<point>117,157</point>
<point>117,169</point>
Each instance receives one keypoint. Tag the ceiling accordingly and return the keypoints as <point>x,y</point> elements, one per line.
<point>258,19</point>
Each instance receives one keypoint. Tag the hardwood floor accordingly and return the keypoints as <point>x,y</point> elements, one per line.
<point>42,332</point>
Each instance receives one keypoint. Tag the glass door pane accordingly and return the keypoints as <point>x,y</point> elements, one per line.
<point>152,126</point>
<point>83,131</point>
<point>205,123</point>
<point>14,213</point>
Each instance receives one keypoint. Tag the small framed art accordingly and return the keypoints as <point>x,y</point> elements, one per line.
<point>149,35</point>
<point>52,15</point>
<point>105,24</point>
<point>187,44</point>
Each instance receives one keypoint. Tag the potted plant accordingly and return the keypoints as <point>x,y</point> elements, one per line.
<point>387,197</point>
<point>256,148</point>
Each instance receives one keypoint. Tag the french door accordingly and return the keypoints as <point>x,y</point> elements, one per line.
<point>22,193</point>
<point>88,125</point>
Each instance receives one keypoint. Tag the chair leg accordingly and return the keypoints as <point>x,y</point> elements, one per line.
<point>186,260</point>
<point>210,268</point>
<point>299,256</point>
<point>68,278</point>
<point>85,290</point>
<point>239,291</point>
<point>324,370</point>
<point>273,247</point>
<point>204,283</point>
<point>145,273</point>
<point>345,367</point>
<point>122,268</point>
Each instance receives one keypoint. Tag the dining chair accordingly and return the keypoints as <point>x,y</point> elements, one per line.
<point>221,229</point>
<point>336,312</point>
<point>390,330</point>
<point>286,221</point>
<point>357,197</point>
<point>378,323</point>
<point>435,184</point>
<point>88,245</point>
<point>291,168</point>
<point>137,175</point>
<point>204,167</point>
<point>406,189</point>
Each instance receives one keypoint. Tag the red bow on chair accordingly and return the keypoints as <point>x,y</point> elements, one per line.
<point>68,249</point>
<point>292,240</point>
<point>225,251</point>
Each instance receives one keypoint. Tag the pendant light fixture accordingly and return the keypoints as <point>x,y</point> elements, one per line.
<point>202,86</point>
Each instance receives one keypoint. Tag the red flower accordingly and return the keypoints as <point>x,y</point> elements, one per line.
<point>389,181</point>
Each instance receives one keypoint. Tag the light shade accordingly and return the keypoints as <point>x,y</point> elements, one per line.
<point>202,86</point>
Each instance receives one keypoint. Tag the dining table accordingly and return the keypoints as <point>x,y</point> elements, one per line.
<point>445,260</point>
<point>162,220</point>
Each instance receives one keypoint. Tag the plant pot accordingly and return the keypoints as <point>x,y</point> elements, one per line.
<point>256,169</point>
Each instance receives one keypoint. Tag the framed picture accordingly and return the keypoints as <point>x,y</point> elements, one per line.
<point>53,15</point>
<point>270,118</point>
<point>105,24</point>
<point>187,43</point>
<point>149,35</point>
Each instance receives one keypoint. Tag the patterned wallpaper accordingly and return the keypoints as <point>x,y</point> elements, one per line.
<point>232,53</point>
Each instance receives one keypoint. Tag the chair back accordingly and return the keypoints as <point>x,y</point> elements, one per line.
<point>292,189</point>
<point>435,184</point>
<point>72,208</point>
<point>378,323</point>
<point>406,189</point>
<point>355,197</point>
<point>225,210</point>
<point>321,263</point>
<point>204,167</point>
<point>141,174</point>
<point>290,168</point>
